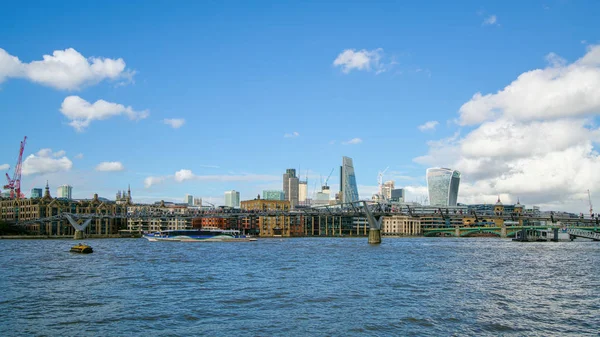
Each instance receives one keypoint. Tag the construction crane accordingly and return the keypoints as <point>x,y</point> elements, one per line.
<point>329,176</point>
<point>380,181</point>
<point>14,184</point>
<point>590,202</point>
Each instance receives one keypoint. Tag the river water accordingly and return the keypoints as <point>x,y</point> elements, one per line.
<point>299,287</point>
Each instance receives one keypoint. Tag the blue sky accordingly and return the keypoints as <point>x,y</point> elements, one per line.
<point>243,75</point>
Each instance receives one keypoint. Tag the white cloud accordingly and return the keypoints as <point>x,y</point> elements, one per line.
<point>64,69</point>
<point>110,166</point>
<point>79,156</point>
<point>150,181</point>
<point>60,153</point>
<point>43,162</point>
<point>428,126</point>
<point>490,20</point>
<point>183,175</point>
<point>291,135</point>
<point>353,141</point>
<point>559,90</point>
<point>175,123</point>
<point>187,175</point>
<point>535,139</point>
<point>81,113</point>
<point>363,59</point>
<point>4,167</point>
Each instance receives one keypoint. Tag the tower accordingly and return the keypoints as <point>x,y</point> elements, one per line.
<point>348,187</point>
<point>498,207</point>
<point>442,185</point>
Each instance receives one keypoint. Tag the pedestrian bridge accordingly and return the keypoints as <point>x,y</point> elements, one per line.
<point>503,232</point>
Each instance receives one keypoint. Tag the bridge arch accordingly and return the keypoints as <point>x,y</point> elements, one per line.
<point>467,233</point>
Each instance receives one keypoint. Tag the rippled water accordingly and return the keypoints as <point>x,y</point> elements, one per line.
<point>308,286</point>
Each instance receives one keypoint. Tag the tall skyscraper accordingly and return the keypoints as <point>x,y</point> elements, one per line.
<point>442,185</point>
<point>273,195</point>
<point>36,193</point>
<point>189,199</point>
<point>290,187</point>
<point>398,195</point>
<point>232,199</point>
<point>65,191</point>
<point>348,187</point>
<point>302,191</point>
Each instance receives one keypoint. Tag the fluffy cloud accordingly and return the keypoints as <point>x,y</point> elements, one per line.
<point>4,167</point>
<point>185,175</point>
<point>363,59</point>
<point>534,139</point>
<point>110,166</point>
<point>81,113</point>
<point>60,153</point>
<point>150,181</point>
<point>64,69</point>
<point>353,141</point>
<point>428,125</point>
<point>45,162</point>
<point>490,20</point>
<point>291,135</point>
<point>175,123</point>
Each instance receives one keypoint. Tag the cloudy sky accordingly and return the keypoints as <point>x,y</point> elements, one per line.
<point>204,98</point>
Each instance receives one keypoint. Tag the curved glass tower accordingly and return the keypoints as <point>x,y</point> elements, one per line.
<point>348,181</point>
<point>442,184</point>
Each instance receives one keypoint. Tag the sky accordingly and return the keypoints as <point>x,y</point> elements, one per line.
<point>176,98</point>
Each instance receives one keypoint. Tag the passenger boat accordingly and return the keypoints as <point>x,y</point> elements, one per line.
<point>202,234</point>
<point>82,249</point>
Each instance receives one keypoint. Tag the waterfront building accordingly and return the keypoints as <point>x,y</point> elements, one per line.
<point>398,195</point>
<point>442,185</point>
<point>302,192</point>
<point>348,187</point>
<point>65,191</point>
<point>189,200</point>
<point>401,225</point>
<point>265,205</point>
<point>36,193</point>
<point>232,199</point>
<point>273,195</point>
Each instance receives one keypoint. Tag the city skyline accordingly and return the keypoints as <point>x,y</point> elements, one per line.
<point>145,101</point>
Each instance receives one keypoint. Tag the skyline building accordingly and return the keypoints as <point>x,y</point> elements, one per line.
<point>273,195</point>
<point>386,189</point>
<point>302,191</point>
<point>442,186</point>
<point>348,187</point>
<point>398,195</point>
<point>189,199</point>
<point>232,199</point>
<point>65,191</point>
<point>197,201</point>
<point>36,193</point>
<point>290,187</point>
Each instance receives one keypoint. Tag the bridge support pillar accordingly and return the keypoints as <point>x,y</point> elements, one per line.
<point>78,235</point>
<point>374,236</point>
<point>457,231</point>
<point>503,231</point>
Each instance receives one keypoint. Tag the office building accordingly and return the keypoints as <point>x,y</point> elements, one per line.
<point>386,189</point>
<point>197,201</point>
<point>65,191</point>
<point>302,191</point>
<point>398,195</point>
<point>291,187</point>
<point>273,195</point>
<point>232,199</point>
<point>442,185</point>
<point>189,200</point>
<point>348,187</point>
<point>36,193</point>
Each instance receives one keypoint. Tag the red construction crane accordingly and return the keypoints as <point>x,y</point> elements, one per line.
<point>14,184</point>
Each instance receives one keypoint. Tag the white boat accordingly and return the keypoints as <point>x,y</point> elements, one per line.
<point>210,234</point>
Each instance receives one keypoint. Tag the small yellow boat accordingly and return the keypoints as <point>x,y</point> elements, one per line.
<point>82,249</point>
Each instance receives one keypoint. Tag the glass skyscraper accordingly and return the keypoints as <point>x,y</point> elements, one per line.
<point>348,187</point>
<point>232,199</point>
<point>442,185</point>
<point>273,195</point>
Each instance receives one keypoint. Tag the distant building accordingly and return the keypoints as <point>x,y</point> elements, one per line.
<point>65,191</point>
<point>348,187</point>
<point>386,189</point>
<point>398,195</point>
<point>273,195</point>
<point>232,199</point>
<point>442,184</point>
<point>36,193</point>
<point>123,198</point>
<point>291,187</point>
<point>197,201</point>
<point>189,199</point>
<point>302,191</point>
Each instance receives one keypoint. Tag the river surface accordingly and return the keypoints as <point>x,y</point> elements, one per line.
<point>299,287</point>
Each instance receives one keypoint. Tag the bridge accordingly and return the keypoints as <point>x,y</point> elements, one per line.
<point>581,229</point>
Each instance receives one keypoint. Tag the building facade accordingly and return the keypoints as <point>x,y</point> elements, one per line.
<point>273,195</point>
<point>65,191</point>
<point>442,186</point>
<point>348,187</point>
<point>398,195</point>
<point>401,225</point>
<point>386,189</point>
<point>265,205</point>
<point>232,199</point>
<point>291,186</point>
<point>189,199</point>
<point>36,193</point>
<point>302,192</point>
